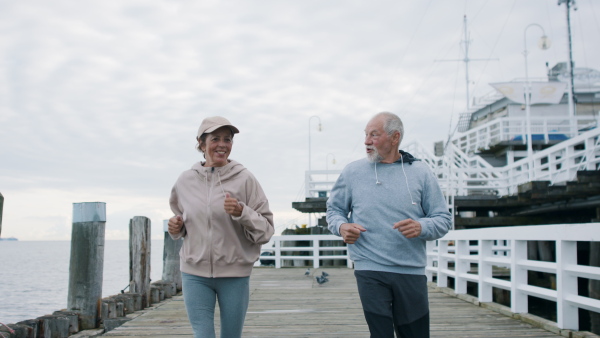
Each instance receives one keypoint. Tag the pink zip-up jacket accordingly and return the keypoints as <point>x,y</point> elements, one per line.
<point>215,243</point>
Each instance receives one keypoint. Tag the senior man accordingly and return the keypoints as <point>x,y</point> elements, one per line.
<point>386,207</point>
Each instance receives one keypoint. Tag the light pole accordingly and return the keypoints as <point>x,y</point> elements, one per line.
<point>544,44</point>
<point>319,129</point>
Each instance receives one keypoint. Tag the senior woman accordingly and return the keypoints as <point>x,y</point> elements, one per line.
<point>223,216</point>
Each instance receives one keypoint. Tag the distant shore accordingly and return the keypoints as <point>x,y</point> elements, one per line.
<point>9,239</point>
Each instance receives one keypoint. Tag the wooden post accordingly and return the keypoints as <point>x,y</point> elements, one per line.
<point>87,262</point>
<point>139,258</point>
<point>171,248</point>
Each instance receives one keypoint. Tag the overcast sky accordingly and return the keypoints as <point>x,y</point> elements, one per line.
<point>101,101</point>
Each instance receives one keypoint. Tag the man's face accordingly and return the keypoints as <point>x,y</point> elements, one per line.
<point>379,145</point>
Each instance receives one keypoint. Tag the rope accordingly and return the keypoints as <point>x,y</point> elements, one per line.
<point>11,331</point>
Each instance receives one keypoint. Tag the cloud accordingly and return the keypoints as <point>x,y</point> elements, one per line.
<point>101,101</point>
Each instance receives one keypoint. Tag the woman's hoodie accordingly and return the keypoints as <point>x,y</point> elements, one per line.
<point>215,243</point>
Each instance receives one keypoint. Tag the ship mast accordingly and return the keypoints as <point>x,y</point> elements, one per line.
<point>570,66</point>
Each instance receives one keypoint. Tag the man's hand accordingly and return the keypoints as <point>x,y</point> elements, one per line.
<point>351,232</point>
<point>175,224</point>
<point>409,228</point>
<point>232,206</point>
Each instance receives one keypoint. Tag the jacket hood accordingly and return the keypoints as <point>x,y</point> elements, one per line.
<point>407,157</point>
<point>229,170</point>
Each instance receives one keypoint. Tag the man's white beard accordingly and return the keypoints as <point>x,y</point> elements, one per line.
<point>374,156</point>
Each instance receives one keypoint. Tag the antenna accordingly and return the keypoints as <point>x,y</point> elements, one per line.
<point>466,60</point>
<point>571,93</point>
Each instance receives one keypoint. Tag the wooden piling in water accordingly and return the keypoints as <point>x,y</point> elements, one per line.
<point>171,248</point>
<point>87,262</point>
<point>139,258</point>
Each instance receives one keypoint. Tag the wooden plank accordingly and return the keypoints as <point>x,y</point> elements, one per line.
<point>285,303</point>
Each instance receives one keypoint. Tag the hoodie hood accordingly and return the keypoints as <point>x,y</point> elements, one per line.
<point>225,172</point>
<point>407,157</point>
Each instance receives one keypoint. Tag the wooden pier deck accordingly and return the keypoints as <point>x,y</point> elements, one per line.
<point>285,303</point>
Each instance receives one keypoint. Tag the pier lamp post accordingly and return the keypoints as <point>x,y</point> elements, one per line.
<point>544,43</point>
<point>319,129</point>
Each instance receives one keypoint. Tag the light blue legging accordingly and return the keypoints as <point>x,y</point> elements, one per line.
<point>200,293</point>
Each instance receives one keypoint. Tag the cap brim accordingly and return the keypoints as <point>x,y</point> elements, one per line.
<point>233,129</point>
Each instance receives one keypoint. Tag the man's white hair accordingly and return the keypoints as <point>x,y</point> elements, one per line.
<point>392,123</point>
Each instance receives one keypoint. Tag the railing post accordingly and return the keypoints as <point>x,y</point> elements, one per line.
<point>430,247</point>
<point>518,276</point>
<point>461,266</point>
<point>86,263</point>
<point>566,286</point>
<point>139,258</point>
<point>442,277</point>
<point>277,253</point>
<point>171,270</point>
<point>484,271</point>
<point>316,252</point>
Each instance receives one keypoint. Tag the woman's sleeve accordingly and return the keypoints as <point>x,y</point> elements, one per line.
<point>176,208</point>
<point>256,218</point>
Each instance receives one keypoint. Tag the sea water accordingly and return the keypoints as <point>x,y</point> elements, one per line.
<point>34,275</point>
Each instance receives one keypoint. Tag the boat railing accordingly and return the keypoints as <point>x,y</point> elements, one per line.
<point>546,129</point>
<point>318,183</point>
<point>461,175</point>
<point>295,250</point>
<point>497,258</point>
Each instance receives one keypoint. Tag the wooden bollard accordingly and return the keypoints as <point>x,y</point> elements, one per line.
<point>19,331</point>
<point>87,262</point>
<point>169,287</point>
<point>109,308</point>
<point>137,301</point>
<point>33,325</point>
<point>139,258</point>
<point>171,248</point>
<point>155,292</point>
<point>128,302</point>
<point>73,319</point>
<point>54,326</point>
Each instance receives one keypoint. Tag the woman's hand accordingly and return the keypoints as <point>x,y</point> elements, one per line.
<point>175,224</point>
<point>232,206</point>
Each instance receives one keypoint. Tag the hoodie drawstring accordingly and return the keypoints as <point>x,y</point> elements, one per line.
<point>405,178</point>
<point>221,184</point>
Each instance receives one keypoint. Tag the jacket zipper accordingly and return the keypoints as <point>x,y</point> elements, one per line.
<point>210,234</point>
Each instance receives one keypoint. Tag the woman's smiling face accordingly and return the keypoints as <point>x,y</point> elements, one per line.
<point>217,147</point>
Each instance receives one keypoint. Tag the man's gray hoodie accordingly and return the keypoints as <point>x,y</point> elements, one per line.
<point>377,195</point>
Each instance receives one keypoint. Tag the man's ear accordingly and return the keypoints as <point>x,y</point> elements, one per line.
<point>396,138</point>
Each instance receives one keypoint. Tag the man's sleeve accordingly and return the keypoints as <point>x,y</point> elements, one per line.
<point>438,220</point>
<point>338,205</point>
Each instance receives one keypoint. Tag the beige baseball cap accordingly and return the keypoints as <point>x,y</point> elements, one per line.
<point>211,124</point>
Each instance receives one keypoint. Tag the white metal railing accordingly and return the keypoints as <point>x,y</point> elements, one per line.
<point>507,247</point>
<point>460,174</point>
<point>552,128</point>
<point>318,183</point>
<point>322,247</point>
